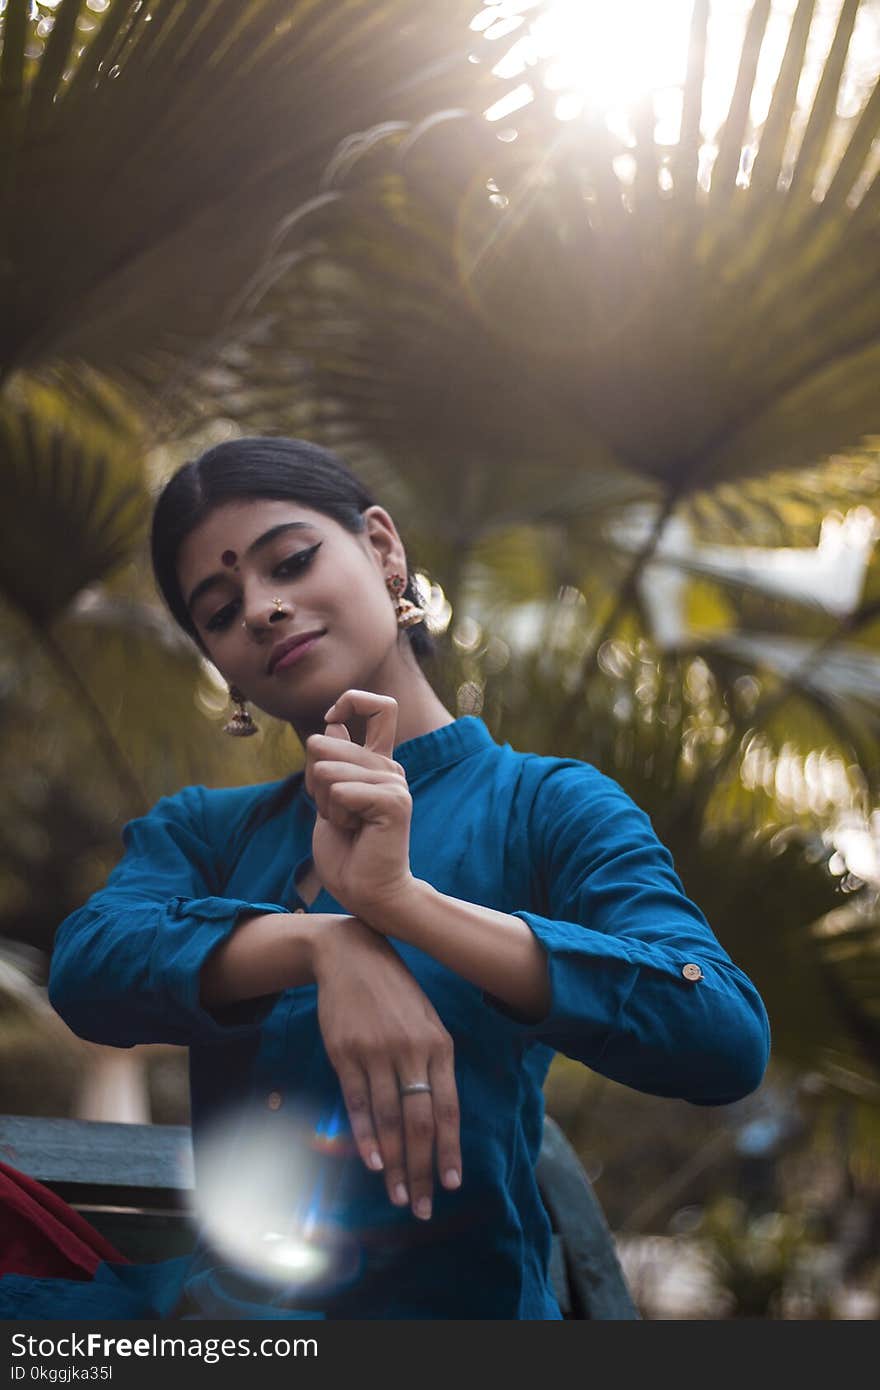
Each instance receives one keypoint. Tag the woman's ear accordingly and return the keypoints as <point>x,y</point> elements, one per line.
<point>384,538</point>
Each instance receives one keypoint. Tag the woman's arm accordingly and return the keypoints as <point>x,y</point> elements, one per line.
<point>126,966</point>
<point>640,988</point>
<point>265,954</point>
<point>493,950</point>
<point>622,972</point>
<point>161,955</point>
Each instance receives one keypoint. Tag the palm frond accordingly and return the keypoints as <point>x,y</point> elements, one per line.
<point>148,151</point>
<point>848,940</point>
<point>818,696</point>
<point>75,502</point>
<point>544,306</point>
<point>132,651</point>
<point>786,508</point>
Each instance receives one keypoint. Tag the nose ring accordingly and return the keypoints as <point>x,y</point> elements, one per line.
<point>279,608</point>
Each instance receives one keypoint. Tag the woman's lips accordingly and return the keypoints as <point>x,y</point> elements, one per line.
<point>296,652</point>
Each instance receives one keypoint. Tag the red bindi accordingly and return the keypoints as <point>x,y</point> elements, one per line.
<point>229,557</point>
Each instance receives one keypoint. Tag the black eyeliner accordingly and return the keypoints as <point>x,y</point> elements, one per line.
<point>309,551</point>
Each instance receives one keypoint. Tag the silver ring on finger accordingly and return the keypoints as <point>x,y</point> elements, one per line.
<point>416,1088</point>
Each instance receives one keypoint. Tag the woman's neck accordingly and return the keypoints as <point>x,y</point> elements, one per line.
<point>419,711</point>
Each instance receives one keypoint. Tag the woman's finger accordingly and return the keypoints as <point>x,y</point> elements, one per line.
<point>324,776</point>
<point>336,730</point>
<point>334,749</point>
<point>379,711</point>
<point>441,1074</point>
<point>349,759</point>
<point>356,1094</point>
<point>328,777</point>
<point>375,802</point>
<point>325,772</point>
<point>385,1101</point>
<point>418,1131</point>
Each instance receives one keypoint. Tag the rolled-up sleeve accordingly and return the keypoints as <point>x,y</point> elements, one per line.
<point>641,989</point>
<point>126,965</point>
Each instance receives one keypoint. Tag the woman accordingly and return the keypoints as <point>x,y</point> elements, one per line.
<point>373,961</point>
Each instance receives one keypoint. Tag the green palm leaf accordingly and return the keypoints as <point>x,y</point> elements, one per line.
<point>75,502</point>
<point>849,941</point>
<point>147,153</point>
<point>786,508</point>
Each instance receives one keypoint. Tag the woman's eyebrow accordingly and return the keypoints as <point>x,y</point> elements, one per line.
<point>266,539</point>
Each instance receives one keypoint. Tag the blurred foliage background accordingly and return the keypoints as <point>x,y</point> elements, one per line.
<point>589,294</point>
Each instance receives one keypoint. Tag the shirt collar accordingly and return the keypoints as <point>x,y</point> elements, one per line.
<point>448,744</point>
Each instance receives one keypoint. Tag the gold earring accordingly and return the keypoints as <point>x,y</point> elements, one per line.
<point>408,614</point>
<point>240,725</point>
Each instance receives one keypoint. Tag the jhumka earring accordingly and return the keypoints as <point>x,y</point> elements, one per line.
<point>408,614</point>
<point>240,725</point>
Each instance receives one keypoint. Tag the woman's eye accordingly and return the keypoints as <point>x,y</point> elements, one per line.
<point>221,619</point>
<point>299,561</point>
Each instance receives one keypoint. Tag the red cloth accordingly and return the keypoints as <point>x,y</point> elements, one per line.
<point>41,1235</point>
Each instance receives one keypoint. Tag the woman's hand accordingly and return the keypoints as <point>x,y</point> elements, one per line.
<point>360,844</point>
<point>381,1032</point>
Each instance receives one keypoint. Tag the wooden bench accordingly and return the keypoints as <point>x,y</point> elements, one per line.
<point>132,1182</point>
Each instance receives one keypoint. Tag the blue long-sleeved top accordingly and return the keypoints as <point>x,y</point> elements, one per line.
<point>550,840</point>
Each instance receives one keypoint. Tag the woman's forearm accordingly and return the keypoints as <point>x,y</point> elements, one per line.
<point>264,954</point>
<point>498,952</point>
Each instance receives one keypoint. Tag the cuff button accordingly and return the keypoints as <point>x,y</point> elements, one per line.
<point>691,971</point>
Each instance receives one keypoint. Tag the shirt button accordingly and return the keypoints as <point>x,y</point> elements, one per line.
<point>691,971</point>
<point>299,909</point>
<point>273,1100</point>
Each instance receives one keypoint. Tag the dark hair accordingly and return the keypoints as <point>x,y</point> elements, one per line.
<point>260,466</point>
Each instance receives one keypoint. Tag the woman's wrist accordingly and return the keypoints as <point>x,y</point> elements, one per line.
<point>493,950</point>
<point>265,954</point>
<point>398,911</point>
<point>343,934</point>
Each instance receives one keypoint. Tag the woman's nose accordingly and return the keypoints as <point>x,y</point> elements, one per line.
<point>262,611</point>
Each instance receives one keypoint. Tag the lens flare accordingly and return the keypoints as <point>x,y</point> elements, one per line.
<point>264,1189</point>
<point>332,1135</point>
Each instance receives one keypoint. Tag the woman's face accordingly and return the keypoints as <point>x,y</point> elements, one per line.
<point>330,582</point>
